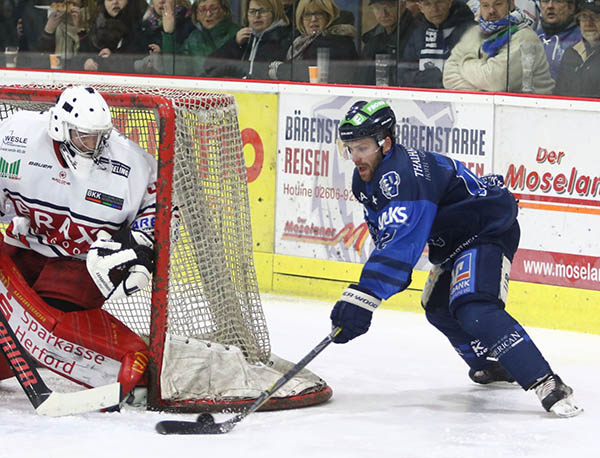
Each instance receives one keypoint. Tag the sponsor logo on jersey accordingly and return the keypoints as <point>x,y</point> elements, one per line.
<point>104,199</point>
<point>390,184</point>
<point>39,164</point>
<point>14,140</point>
<point>62,231</point>
<point>116,167</point>
<point>62,178</point>
<point>143,223</point>
<point>463,275</point>
<point>14,143</point>
<point>10,169</point>
<point>416,162</point>
<point>393,215</point>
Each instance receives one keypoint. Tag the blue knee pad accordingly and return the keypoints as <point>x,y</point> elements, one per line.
<point>505,339</point>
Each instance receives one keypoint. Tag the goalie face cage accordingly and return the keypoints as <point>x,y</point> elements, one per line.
<point>204,286</point>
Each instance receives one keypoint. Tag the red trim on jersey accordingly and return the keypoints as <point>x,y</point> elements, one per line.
<point>61,159</point>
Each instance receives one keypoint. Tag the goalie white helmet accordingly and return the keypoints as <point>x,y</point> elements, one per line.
<point>81,122</point>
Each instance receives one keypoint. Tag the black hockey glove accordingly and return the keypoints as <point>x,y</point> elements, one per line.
<point>353,312</point>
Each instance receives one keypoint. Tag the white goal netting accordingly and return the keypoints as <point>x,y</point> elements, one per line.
<point>205,290</point>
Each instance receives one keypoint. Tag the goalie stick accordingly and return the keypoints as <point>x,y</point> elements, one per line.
<point>44,400</point>
<point>205,424</point>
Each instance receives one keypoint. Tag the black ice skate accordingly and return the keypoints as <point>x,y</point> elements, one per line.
<point>492,373</point>
<point>556,397</point>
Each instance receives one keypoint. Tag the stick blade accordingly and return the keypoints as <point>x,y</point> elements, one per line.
<point>59,404</point>
<point>204,425</point>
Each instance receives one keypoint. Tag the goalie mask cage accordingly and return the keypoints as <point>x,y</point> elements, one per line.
<point>207,334</point>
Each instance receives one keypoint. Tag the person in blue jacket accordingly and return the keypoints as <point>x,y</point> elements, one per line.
<point>410,198</point>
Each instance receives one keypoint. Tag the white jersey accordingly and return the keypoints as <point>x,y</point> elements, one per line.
<point>58,215</point>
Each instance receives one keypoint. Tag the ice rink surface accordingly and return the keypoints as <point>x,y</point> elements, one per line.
<point>399,391</point>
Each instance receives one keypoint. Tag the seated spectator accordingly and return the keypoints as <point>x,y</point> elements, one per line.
<point>111,42</point>
<point>530,8</point>
<point>64,29</point>
<point>315,21</point>
<point>579,71</point>
<point>388,37</point>
<point>151,29</point>
<point>480,61</point>
<point>434,34</point>
<point>213,28</point>
<point>290,6</point>
<point>266,38</point>
<point>558,30</point>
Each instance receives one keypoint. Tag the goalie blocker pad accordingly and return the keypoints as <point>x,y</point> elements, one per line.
<point>90,347</point>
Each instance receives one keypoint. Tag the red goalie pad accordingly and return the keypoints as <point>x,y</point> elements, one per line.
<point>58,278</point>
<point>90,347</point>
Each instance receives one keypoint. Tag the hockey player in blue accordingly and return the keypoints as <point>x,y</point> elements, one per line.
<point>411,198</point>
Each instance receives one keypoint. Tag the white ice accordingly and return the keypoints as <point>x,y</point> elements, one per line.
<point>399,391</point>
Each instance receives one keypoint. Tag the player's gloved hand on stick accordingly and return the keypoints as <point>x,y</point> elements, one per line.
<point>353,312</point>
<point>118,265</point>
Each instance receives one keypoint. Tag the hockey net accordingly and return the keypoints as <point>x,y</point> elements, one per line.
<point>203,318</point>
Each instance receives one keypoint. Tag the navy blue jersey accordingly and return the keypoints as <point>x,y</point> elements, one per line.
<point>418,197</point>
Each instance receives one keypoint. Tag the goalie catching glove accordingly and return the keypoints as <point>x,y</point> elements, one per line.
<point>119,265</point>
<point>353,313</point>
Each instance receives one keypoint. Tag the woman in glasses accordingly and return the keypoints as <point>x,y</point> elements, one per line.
<point>316,21</point>
<point>265,38</point>
<point>213,27</point>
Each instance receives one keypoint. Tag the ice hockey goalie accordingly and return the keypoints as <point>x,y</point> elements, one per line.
<point>83,200</point>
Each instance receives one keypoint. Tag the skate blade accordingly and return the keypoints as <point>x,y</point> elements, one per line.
<point>566,408</point>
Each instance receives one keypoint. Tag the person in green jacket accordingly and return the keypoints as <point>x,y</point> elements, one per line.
<point>214,27</point>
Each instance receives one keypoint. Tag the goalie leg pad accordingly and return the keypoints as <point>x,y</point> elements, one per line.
<point>90,347</point>
<point>101,334</point>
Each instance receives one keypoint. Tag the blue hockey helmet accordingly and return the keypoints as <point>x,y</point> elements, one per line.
<point>373,119</point>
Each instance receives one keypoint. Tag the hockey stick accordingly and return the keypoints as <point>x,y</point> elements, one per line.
<point>44,400</point>
<point>206,424</point>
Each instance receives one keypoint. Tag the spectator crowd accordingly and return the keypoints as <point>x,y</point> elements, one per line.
<point>533,46</point>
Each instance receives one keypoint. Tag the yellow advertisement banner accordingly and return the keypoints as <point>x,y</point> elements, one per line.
<point>258,125</point>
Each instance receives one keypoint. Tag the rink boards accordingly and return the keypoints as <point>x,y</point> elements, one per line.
<point>308,232</point>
